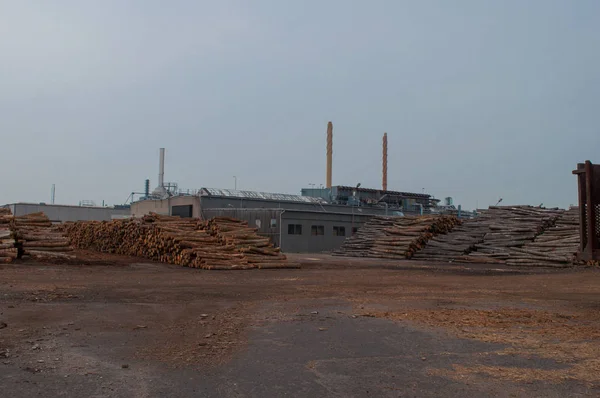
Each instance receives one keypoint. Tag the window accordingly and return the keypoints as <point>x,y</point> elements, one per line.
<point>182,211</point>
<point>354,229</point>
<point>317,230</point>
<point>339,231</point>
<point>273,222</point>
<point>294,229</point>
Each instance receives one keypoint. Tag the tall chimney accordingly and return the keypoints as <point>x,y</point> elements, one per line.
<point>161,168</point>
<point>384,159</point>
<point>329,152</point>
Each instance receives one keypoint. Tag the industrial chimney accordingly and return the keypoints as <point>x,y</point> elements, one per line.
<point>160,191</point>
<point>384,165</point>
<point>329,152</point>
<point>161,168</point>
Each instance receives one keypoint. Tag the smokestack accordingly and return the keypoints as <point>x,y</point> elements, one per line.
<point>329,152</point>
<point>161,168</point>
<point>147,188</point>
<point>384,159</point>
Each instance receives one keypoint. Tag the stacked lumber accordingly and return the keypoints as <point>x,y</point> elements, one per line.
<point>492,237</point>
<point>555,247</point>
<point>34,235</point>
<point>220,243</point>
<point>455,245</point>
<point>512,227</point>
<point>361,243</point>
<point>257,251</point>
<point>8,250</point>
<point>170,239</point>
<point>396,237</point>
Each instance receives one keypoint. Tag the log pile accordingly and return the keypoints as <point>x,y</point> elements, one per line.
<point>396,237</point>
<point>35,236</point>
<point>495,236</point>
<point>455,245</point>
<point>361,243</point>
<point>8,250</point>
<point>30,235</point>
<point>556,247</point>
<point>257,250</point>
<point>221,243</point>
<point>512,227</point>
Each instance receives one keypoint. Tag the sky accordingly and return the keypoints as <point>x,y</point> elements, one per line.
<point>481,99</point>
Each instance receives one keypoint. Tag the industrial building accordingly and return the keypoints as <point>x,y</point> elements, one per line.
<point>295,223</point>
<point>63,213</point>
<point>317,220</point>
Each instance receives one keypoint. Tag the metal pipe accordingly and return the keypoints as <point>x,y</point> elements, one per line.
<point>161,168</point>
<point>280,228</point>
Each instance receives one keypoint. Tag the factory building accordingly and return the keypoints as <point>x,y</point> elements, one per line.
<point>406,202</point>
<point>317,220</point>
<point>298,224</point>
<point>62,213</point>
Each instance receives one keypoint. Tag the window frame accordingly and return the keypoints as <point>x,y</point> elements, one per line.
<point>339,230</point>
<point>294,229</point>
<point>317,230</point>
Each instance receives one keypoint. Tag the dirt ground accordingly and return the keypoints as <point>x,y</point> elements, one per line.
<point>109,326</point>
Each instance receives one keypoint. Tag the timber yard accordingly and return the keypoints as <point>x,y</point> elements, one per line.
<point>339,291</point>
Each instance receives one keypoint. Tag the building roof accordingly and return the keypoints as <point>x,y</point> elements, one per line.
<point>280,197</point>
<point>114,207</point>
<point>395,193</point>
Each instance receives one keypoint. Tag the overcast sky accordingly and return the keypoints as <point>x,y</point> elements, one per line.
<point>480,99</point>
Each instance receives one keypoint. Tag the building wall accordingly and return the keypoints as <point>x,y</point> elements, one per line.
<point>308,243</point>
<point>218,202</point>
<point>62,213</point>
<point>261,213</point>
<point>142,207</point>
<point>274,224</point>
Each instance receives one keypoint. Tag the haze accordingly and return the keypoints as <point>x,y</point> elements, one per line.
<point>480,99</point>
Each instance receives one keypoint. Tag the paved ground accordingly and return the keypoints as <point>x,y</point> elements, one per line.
<point>119,328</point>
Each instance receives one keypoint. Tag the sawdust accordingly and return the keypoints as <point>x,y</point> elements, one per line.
<point>570,339</point>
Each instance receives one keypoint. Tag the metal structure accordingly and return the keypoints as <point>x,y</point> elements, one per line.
<point>384,159</point>
<point>588,178</point>
<point>280,197</point>
<point>329,153</point>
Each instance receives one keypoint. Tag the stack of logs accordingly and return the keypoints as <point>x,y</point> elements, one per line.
<point>499,235</point>
<point>8,251</point>
<point>257,250</point>
<point>37,237</point>
<point>455,245</point>
<point>361,243</point>
<point>556,247</point>
<point>396,237</point>
<point>511,227</point>
<point>30,235</point>
<point>221,243</point>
